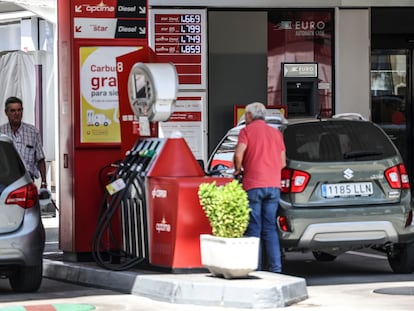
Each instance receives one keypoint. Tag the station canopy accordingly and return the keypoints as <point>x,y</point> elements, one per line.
<point>11,10</point>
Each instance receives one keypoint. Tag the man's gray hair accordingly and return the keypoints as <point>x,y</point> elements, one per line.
<point>257,110</point>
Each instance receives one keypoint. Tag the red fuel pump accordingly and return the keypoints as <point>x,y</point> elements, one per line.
<point>154,190</point>
<point>161,217</point>
<point>176,218</point>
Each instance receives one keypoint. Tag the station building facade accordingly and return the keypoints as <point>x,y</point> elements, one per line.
<point>313,57</point>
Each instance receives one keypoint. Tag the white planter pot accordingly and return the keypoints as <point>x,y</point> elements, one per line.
<point>229,257</point>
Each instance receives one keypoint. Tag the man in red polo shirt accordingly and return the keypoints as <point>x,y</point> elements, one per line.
<point>260,156</point>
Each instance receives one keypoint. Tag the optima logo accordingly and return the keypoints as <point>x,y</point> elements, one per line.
<point>163,226</point>
<point>101,8</point>
<point>159,193</point>
<point>160,227</point>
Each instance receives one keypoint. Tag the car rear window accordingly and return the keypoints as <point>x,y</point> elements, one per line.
<point>337,140</point>
<point>11,166</point>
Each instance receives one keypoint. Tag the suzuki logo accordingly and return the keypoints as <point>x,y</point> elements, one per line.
<point>348,173</point>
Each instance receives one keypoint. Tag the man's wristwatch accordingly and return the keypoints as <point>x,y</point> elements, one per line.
<point>44,183</point>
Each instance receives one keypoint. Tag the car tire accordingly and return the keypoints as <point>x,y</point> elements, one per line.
<point>322,256</point>
<point>26,279</point>
<point>401,258</point>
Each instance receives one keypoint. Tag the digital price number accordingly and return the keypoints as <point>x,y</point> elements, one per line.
<point>190,18</point>
<point>190,49</point>
<point>190,28</point>
<point>190,39</point>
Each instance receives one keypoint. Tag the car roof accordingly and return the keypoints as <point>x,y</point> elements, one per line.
<point>341,116</point>
<point>281,122</point>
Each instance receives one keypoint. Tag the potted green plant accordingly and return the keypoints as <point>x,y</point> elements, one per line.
<point>227,252</point>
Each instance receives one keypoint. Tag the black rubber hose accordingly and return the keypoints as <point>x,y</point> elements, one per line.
<point>118,259</point>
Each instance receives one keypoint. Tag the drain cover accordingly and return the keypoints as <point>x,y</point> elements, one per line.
<point>405,290</point>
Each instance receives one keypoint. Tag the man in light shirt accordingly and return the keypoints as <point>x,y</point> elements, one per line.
<point>26,139</point>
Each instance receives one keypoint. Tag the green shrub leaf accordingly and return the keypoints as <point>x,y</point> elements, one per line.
<point>226,207</point>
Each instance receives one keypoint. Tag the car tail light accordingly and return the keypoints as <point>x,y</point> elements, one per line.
<point>397,177</point>
<point>409,221</point>
<point>404,177</point>
<point>25,196</point>
<point>283,223</point>
<point>294,181</point>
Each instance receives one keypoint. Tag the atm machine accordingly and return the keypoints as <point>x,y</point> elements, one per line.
<point>300,89</point>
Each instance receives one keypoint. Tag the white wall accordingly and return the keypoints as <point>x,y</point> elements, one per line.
<point>352,57</point>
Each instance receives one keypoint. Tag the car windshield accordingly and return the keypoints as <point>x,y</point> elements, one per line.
<point>11,167</point>
<point>336,140</point>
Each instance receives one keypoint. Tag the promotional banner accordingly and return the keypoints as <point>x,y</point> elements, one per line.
<point>99,113</point>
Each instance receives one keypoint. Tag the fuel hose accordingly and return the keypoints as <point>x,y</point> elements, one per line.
<point>108,249</point>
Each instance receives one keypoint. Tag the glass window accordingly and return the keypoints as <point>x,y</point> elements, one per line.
<point>297,36</point>
<point>336,141</point>
<point>389,94</point>
<point>11,167</point>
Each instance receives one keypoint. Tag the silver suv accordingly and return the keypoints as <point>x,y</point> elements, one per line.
<point>345,187</point>
<point>22,235</point>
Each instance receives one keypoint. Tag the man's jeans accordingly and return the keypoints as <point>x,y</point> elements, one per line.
<point>264,203</point>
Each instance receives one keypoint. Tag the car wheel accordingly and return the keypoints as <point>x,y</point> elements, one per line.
<point>321,256</point>
<point>401,258</point>
<point>26,279</point>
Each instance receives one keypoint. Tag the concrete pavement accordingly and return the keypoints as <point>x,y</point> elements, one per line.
<point>155,291</point>
<point>260,290</point>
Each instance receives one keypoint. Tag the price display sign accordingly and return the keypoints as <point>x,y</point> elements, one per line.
<point>179,37</point>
